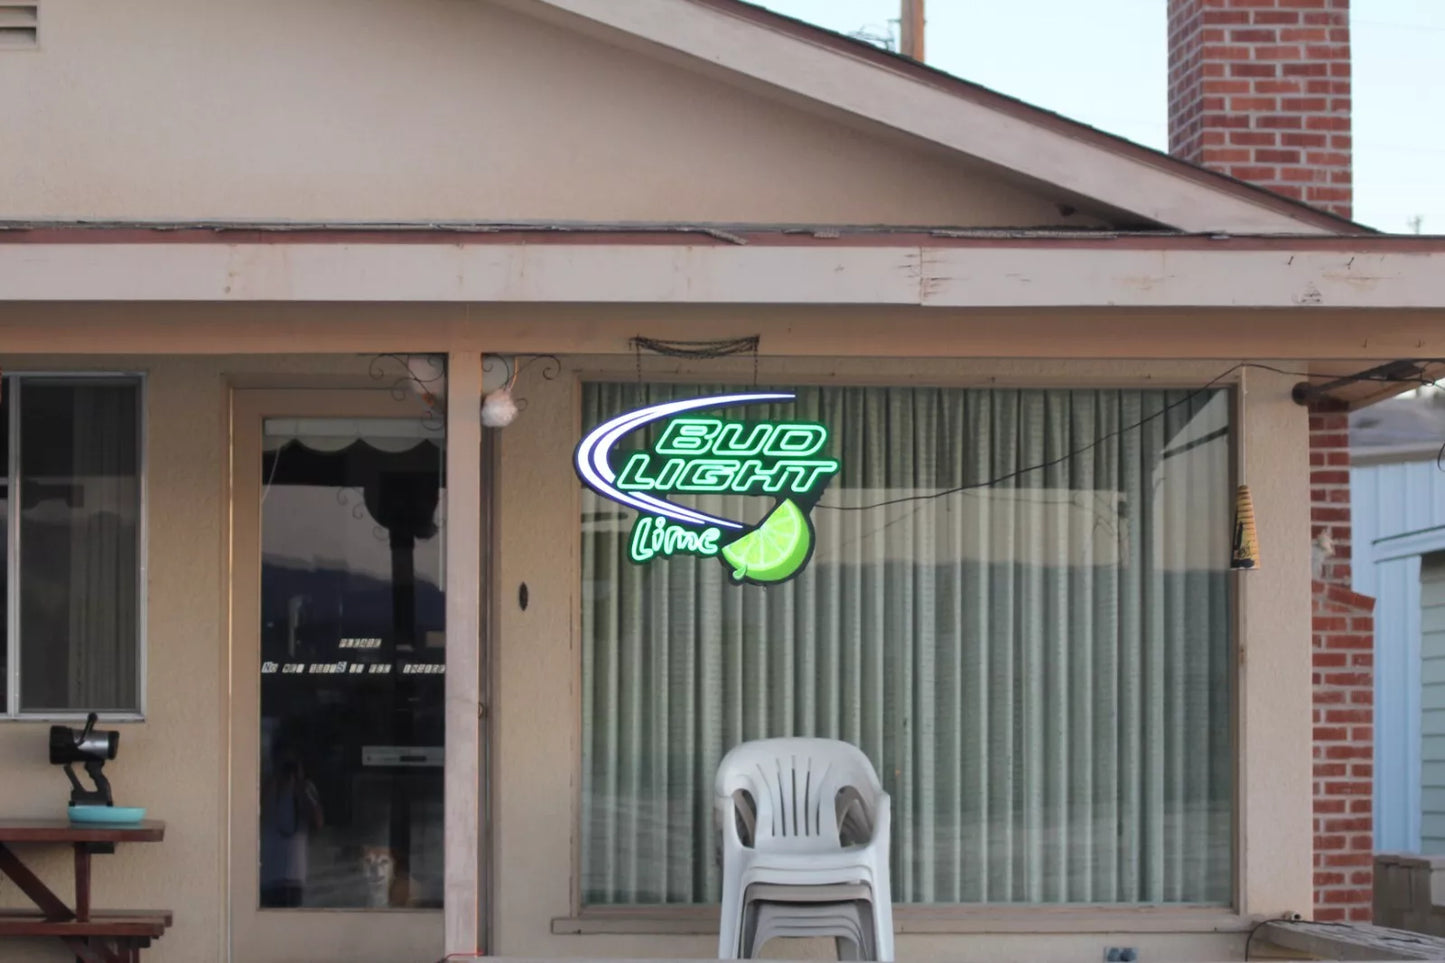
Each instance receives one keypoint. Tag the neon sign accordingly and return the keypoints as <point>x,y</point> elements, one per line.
<point>786,460</point>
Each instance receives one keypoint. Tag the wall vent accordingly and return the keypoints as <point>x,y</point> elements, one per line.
<point>19,24</point>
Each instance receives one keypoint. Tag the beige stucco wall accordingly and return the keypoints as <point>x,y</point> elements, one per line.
<point>175,762</point>
<point>388,110</point>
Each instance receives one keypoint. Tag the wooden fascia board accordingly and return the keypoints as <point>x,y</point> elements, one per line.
<point>931,277</point>
<point>894,100</point>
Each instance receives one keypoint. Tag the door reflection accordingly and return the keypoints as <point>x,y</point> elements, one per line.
<point>352,656</point>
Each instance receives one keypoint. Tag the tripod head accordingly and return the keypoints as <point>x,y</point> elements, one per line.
<point>91,749</point>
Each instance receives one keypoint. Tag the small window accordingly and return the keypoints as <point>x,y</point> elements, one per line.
<point>70,513</point>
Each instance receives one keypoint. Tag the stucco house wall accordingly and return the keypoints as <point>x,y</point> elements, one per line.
<point>175,761</point>
<point>392,110</point>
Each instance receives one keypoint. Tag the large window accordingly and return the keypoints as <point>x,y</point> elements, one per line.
<point>70,512</point>
<point>1018,606</point>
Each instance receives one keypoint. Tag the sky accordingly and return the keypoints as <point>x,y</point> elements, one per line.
<point>1064,56</point>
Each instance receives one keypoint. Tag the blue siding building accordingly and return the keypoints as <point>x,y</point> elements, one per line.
<point>1397,500</point>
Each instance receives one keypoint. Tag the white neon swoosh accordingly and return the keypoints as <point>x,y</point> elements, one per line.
<point>593,469</point>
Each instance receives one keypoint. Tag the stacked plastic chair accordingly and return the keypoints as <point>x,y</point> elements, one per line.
<point>805,826</point>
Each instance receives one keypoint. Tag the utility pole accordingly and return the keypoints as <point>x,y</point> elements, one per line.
<point>911,29</point>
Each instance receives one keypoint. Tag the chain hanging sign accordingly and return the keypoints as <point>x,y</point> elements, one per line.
<point>700,455</point>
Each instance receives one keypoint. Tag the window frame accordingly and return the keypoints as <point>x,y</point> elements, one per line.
<point>13,667</point>
<point>936,918</point>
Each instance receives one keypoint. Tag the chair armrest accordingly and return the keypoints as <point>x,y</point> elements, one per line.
<point>728,810</point>
<point>855,821</point>
<point>883,820</point>
<point>727,832</point>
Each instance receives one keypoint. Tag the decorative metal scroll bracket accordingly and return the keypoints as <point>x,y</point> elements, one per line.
<point>500,406</point>
<point>423,376</point>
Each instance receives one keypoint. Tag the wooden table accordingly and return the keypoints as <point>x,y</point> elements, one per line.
<point>121,934</point>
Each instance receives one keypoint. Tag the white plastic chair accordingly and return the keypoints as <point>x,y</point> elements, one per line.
<point>839,911</point>
<point>799,793</point>
<point>850,926</point>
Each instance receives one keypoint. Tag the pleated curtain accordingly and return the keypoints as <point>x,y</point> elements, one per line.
<point>1037,665</point>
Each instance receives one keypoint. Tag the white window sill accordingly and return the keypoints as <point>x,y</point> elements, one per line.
<point>975,919</point>
<point>72,717</point>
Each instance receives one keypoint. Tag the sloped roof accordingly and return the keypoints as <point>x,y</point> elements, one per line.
<point>793,60</point>
<point>1410,426</point>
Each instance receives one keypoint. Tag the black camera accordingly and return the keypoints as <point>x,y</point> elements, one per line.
<point>90,748</point>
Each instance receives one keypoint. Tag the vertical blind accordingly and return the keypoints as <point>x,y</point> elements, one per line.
<point>1017,606</point>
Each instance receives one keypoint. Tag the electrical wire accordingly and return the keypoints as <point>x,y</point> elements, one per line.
<point>1412,27</point>
<point>697,349</point>
<point>704,350</point>
<point>1288,921</point>
<point>1191,396</point>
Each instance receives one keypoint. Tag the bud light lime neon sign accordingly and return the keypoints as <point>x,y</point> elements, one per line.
<point>787,461</point>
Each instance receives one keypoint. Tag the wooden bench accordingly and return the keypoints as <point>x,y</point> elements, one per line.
<point>109,936</point>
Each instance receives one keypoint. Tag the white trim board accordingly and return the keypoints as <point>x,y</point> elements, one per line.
<point>944,277</point>
<point>1408,544</point>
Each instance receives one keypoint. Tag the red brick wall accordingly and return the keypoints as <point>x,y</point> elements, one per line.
<point>1344,690</point>
<point>1260,90</point>
<point>1330,490</point>
<point>1343,753</point>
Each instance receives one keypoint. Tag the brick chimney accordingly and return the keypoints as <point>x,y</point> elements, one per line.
<point>1260,90</point>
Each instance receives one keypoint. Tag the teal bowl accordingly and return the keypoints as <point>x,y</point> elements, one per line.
<point>107,815</point>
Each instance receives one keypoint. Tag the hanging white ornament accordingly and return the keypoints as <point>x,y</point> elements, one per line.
<point>499,408</point>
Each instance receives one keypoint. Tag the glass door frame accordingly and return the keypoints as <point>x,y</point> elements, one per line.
<point>259,935</point>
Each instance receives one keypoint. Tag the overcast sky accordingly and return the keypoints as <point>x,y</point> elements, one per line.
<point>1064,56</point>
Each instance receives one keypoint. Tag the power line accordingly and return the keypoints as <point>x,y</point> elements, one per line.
<point>1396,26</point>
<point>1186,399</point>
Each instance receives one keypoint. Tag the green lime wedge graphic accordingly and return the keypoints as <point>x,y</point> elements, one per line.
<point>774,550</point>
